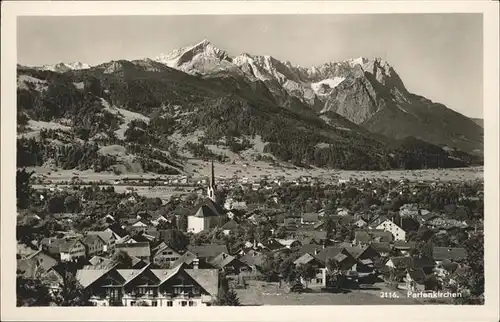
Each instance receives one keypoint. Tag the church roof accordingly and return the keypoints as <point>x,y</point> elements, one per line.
<point>208,208</point>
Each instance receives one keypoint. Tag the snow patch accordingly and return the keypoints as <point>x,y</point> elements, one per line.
<point>329,82</point>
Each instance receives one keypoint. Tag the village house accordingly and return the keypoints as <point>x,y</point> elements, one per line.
<point>117,231</point>
<point>140,250</point>
<point>208,214</point>
<point>403,248</point>
<point>319,278</point>
<point>108,237</point>
<point>72,250</point>
<point>339,254</point>
<point>448,253</point>
<point>230,264</point>
<point>382,248</point>
<point>289,243</point>
<point>36,264</point>
<point>253,259</point>
<point>395,230</point>
<point>94,245</point>
<point>190,260</point>
<point>208,252</point>
<point>312,237</point>
<point>156,219</point>
<point>175,287</point>
<point>164,254</point>
<point>309,219</point>
<point>365,237</point>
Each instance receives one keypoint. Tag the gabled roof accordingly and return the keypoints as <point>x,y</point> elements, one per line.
<point>412,262</point>
<point>377,221</point>
<point>117,229</point>
<point>208,279</point>
<point>402,245</point>
<point>43,259</point>
<point>253,258</point>
<point>106,236</point>
<point>99,262</point>
<point>68,245</point>
<point>208,251</point>
<point>133,275</point>
<point>381,247</point>
<point>332,252</point>
<point>441,253</point>
<point>309,248</point>
<point>222,260</point>
<point>135,249</point>
<point>287,242</point>
<point>373,235</point>
<point>91,239</point>
<point>87,277</point>
<point>208,208</point>
<point>186,258</point>
<point>161,247</point>
<point>312,234</point>
<point>307,258</point>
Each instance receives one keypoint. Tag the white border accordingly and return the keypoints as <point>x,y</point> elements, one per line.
<point>488,312</point>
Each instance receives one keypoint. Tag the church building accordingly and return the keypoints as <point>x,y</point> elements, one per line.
<point>209,214</point>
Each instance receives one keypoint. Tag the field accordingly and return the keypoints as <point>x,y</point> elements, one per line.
<point>254,170</point>
<point>261,293</point>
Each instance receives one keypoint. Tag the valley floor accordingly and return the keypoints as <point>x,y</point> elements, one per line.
<point>255,170</point>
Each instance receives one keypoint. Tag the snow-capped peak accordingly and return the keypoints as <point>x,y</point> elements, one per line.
<point>64,67</point>
<point>186,55</point>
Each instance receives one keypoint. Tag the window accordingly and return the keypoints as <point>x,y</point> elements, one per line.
<point>154,303</point>
<point>132,303</point>
<point>192,303</point>
<point>169,303</point>
<point>183,303</point>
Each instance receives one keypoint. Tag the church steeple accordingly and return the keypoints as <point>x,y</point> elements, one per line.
<point>211,185</point>
<point>212,178</point>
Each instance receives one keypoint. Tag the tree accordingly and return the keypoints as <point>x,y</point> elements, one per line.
<point>229,298</point>
<point>23,188</point>
<point>122,259</point>
<point>306,272</point>
<point>72,204</point>
<point>55,204</point>
<point>287,270</point>
<point>31,292</point>
<point>71,292</point>
<point>472,283</point>
<point>336,277</point>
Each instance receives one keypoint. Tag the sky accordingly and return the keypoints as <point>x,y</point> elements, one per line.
<point>439,56</point>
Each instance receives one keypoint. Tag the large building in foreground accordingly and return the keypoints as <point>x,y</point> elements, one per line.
<point>209,214</point>
<point>178,286</point>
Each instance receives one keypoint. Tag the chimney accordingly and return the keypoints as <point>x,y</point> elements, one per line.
<point>196,263</point>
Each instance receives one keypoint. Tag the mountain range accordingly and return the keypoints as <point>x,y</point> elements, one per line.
<point>350,114</point>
